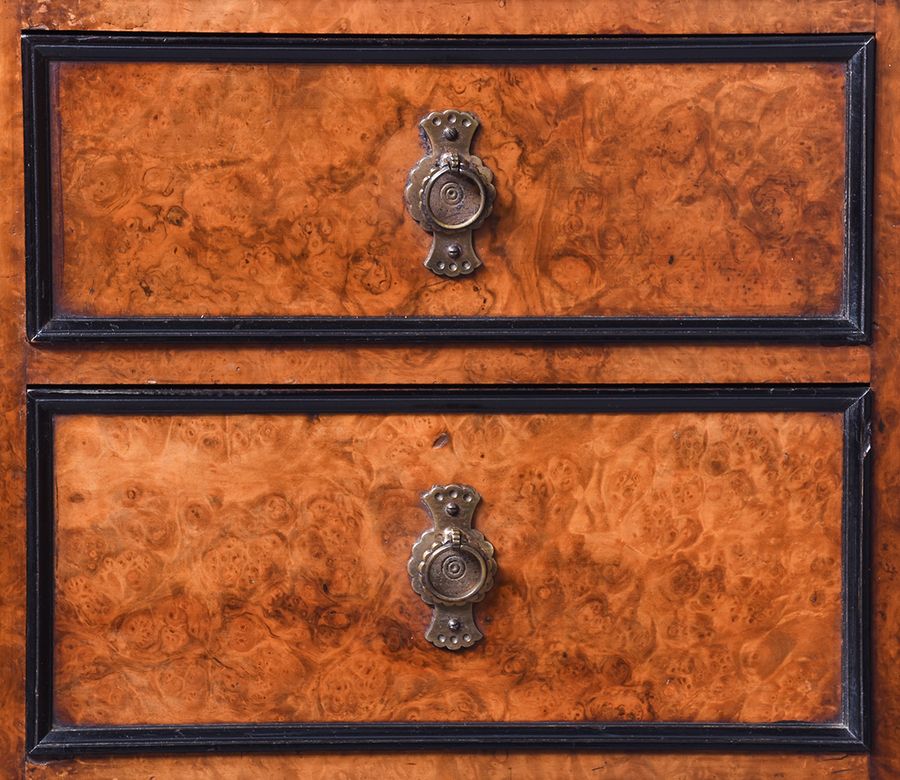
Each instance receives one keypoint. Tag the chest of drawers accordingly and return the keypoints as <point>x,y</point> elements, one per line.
<point>499,389</point>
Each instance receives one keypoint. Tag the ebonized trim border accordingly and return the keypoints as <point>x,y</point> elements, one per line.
<point>47,741</point>
<point>41,48</point>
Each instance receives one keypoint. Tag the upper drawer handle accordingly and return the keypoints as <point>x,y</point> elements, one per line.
<point>450,192</point>
<point>452,566</point>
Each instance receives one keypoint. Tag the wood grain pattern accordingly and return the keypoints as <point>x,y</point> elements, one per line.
<point>688,363</point>
<point>462,364</point>
<point>12,422</point>
<point>432,766</point>
<point>459,17</point>
<point>245,568</point>
<point>886,522</point>
<point>676,189</point>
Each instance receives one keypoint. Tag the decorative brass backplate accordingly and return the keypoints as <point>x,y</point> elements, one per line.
<point>450,192</point>
<point>452,566</point>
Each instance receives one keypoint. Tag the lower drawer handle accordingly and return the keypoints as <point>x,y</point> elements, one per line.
<point>452,566</point>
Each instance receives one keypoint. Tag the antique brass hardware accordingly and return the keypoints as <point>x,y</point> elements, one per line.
<point>450,192</point>
<point>452,566</point>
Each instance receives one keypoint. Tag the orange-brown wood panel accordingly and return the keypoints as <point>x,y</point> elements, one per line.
<point>886,520</point>
<point>459,17</point>
<point>452,364</point>
<point>674,567</point>
<point>673,363</point>
<point>12,419</point>
<point>659,190</point>
<point>431,766</point>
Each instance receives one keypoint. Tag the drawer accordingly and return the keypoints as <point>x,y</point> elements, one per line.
<point>256,187</point>
<point>228,569</point>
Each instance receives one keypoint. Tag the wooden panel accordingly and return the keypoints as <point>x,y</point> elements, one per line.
<point>461,17</point>
<point>427,16</point>
<point>886,523</point>
<point>12,421</point>
<point>651,189</point>
<point>198,189</point>
<point>478,766</point>
<point>458,364</point>
<point>222,569</point>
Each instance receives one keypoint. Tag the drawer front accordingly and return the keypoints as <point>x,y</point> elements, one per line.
<point>228,569</point>
<point>240,187</point>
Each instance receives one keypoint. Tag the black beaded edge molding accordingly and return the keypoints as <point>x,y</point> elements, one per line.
<point>42,48</point>
<point>850,732</point>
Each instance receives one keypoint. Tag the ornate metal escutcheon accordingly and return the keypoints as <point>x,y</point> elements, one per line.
<point>450,192</point>
<point>452,566</point>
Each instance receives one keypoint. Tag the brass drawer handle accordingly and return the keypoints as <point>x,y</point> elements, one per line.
<point>452,566</point>
<point>450,192</point>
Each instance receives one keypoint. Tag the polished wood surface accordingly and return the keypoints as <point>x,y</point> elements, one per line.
<point>253,568</point>
<point>477,766</point>
<point>886,520</point>
<point>12,419</point>
<point>455,364</point>
<point>459,17</point>
<point>660,190</point>
<point>603,363</point>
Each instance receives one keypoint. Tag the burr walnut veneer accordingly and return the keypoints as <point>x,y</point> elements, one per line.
<point>226,568</point>
<point>228,379</point>
<point>250,187</point>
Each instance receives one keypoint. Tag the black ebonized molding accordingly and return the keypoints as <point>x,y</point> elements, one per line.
<point>47,741</point>
<point>41,48</point>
